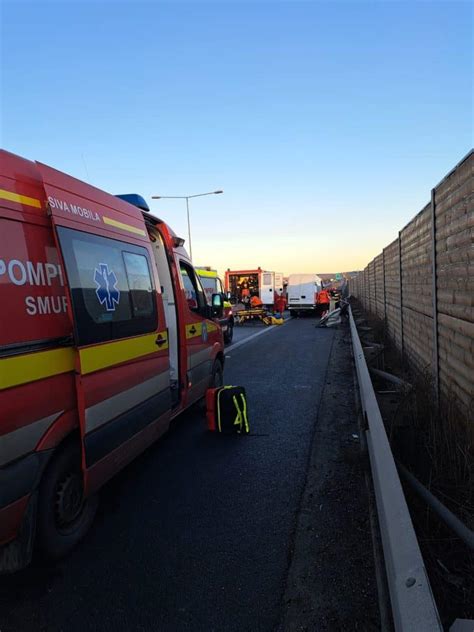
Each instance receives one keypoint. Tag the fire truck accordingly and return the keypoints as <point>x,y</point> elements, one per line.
<point>106,335</point>
<point>213,285</point>
<point>247,283</point>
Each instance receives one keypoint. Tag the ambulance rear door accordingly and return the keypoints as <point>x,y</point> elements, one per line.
<point>122,361</point>
<point>279,282</point>
<point>267,287</point>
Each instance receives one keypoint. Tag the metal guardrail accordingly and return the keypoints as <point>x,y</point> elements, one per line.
<point>413,605</point>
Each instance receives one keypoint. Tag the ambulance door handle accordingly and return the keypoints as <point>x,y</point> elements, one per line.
<point>160,341</point>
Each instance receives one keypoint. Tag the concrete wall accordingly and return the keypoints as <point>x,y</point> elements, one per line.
<point>422,285</point>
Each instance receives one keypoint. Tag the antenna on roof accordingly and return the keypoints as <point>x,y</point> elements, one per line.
<point>85,167</point>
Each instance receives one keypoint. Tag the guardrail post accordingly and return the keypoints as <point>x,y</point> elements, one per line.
<point>434,293</point>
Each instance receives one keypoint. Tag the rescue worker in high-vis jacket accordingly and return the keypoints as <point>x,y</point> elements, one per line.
<point>256,302</point>
<point>323,301</point>
<point>280,303</point>
<point>245,295</point>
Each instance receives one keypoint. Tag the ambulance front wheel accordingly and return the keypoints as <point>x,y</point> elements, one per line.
<point>64,515</point>
<point>229,333</point>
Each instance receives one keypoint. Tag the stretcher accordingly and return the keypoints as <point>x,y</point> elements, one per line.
<point>243,315</point>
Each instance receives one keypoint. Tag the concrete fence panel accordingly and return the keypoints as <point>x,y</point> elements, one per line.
<point>422,284</point>
<point>379,286</point>
<point>392,293</point>
<point>454,222</point>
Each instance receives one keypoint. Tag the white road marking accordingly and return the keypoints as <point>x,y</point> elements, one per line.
<point>253,336</point>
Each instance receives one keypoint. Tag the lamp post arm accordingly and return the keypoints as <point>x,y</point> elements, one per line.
<point>187,198</point>
<point>201,194</point>
<point>168,197</point>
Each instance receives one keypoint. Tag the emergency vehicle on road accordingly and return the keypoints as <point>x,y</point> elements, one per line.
<point>258,282</point>
<point>105,336</point>
<point>303,291</point>
<point>213,285</point>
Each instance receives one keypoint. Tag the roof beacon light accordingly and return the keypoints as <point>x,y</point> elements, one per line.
<point>135,199</point>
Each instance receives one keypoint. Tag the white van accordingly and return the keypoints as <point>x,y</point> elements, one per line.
<point>303,292</point>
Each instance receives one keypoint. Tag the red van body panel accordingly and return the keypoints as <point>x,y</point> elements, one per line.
<point>71,254</point>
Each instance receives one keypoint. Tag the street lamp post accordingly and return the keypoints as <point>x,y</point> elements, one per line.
<point>187,198</point>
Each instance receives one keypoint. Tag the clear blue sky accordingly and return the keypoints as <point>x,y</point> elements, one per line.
<point>326,123</point>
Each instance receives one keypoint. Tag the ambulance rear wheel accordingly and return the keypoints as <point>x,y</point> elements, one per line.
<point>229,333</point>
<point>64,515</point>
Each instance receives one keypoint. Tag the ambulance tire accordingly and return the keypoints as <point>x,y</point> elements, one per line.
<point>64,517</point>
<point>216,379</point>
<point>229,334</point>
<point>217,375</point>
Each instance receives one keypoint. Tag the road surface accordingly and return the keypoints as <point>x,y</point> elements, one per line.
<point>207,532</point>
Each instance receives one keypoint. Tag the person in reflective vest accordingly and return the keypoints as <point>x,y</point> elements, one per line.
<point>256,302</point>
<point>280,303</point>
<point>323,301</point>
<point>245,295</point>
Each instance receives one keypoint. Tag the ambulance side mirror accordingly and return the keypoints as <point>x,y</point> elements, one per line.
<point>217,306</point>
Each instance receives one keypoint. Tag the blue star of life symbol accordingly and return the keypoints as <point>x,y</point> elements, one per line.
<point>107,291</point>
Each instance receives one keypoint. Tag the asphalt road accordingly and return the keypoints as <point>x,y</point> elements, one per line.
<point>242,332</point>
<point>198,533</point>
<point>250,328</point>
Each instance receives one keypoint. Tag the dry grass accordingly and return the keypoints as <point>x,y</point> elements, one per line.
<point>447,437</point>
<point>436,443</point>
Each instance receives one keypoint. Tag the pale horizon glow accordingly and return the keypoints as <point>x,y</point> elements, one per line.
<point>326,124</point>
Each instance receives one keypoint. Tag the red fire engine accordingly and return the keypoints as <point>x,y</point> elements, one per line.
<point>243,284</point>
<point>105,336</point>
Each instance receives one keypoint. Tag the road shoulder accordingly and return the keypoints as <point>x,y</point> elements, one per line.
<point>331,580</point>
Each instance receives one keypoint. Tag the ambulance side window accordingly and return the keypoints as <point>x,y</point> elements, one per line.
<point>111,287</point>
<point>140,284</point>
<point>208,284</point>
<point>192,287</point>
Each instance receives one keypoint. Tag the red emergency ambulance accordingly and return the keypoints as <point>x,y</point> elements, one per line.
<point>105,336</point>
<point>213,285</point>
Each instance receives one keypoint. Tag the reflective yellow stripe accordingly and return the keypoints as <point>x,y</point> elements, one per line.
<point>246,421</point>
<point>211,327</point>
<point>39,365</point>
<point>194,330</point>
<point>21,199</point>
<point>35,366</point>
<point>105,355</point>
<point>127,227</point>
<point>210,274</point>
